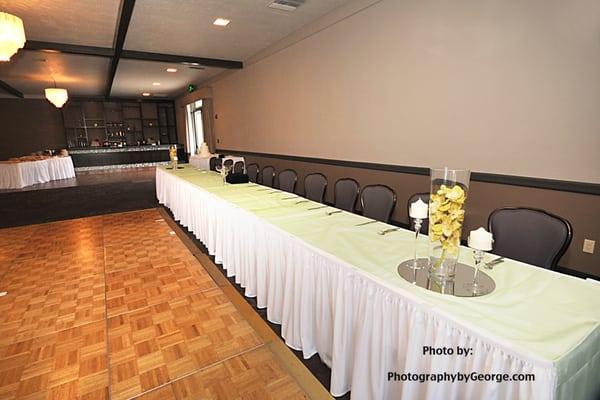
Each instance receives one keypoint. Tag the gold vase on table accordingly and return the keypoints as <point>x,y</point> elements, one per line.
<point>173,156</point>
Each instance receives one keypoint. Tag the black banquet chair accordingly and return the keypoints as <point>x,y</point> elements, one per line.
<point>252,171</point>
<point>315,186</point>
<point>287,180</point>
<point>377,202</point>
<point>268,176</point>
<point>214,162</point>
<point>228,163</point>
<point>345,194</point>
<point>411,222</point>
<point>238,167</point>
<point>530,235</point>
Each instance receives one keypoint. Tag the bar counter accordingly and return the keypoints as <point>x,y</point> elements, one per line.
<point>123,157</point>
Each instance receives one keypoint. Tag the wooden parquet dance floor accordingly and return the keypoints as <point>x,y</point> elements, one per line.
<point>117,307</point>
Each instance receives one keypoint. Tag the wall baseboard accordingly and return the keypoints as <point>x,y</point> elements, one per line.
<point>539,183</point>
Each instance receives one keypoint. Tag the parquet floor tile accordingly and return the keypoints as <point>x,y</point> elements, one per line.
<point>252,375</point>
<point>145,285</point>
<point>156,344</point>
<point>71,363</point>
<point>117,307</point>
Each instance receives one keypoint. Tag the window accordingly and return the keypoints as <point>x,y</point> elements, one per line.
<point>195,128</point>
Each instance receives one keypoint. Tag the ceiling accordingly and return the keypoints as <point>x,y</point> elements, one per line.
<point>166,31</point>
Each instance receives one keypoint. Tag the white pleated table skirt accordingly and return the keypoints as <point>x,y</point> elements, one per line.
<point>22,174</point>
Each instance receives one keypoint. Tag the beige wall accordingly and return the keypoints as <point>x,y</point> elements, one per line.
<point>509,87</point>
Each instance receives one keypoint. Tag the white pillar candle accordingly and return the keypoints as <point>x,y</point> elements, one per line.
<point>418,209</point>
<point>480,239</point>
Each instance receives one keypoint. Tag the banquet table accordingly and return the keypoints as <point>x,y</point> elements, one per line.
<point>16,175</point>
<point>204,163</point>
<point>334,288</point>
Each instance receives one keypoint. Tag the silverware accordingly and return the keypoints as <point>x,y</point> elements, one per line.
<point>490,265</point>
<point>262,189</point>
<point>316,208</point>
<point>333,212</point>
<point>366,223</point>
<point>289,198</point>
<point>302,201</point>
<point>384,231</point>
<point>274,191</point>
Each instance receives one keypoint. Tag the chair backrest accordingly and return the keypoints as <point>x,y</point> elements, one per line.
<point>530,235</point>
<point>252,171</point>
<point>377,202</point>
<point>287,180</point>
<point>238,167</point>
<point>228,163</point>
<point>411,222</point>
<point>314,187</point>
<point>214,162</point>
<point>345,193</point>
<point>268,176</point>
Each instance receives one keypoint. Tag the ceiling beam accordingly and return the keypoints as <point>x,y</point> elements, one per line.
<point>130,54</point>
<point>177,59</point>
<point>10,89</point>
<point>124,20</point>
<point>69,48</point>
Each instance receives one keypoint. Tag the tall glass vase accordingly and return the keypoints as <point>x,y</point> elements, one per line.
<point>449,189</point>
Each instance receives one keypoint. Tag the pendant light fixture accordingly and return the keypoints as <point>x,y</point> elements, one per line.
<point>12,35</point>
<point>57,96</point>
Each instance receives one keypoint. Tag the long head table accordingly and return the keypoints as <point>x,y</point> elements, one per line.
<point>16,175</point>
<point>334,288</point>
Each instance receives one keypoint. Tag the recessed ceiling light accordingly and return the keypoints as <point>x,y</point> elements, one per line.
<point>171,69</point>
<point>155,83</point>
<point>221,22</point>
<point>145,94</point>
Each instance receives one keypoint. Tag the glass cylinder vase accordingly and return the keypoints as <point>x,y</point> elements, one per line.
<point>449,189</point>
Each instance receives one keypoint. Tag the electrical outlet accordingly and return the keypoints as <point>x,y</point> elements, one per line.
<point>588,246</point>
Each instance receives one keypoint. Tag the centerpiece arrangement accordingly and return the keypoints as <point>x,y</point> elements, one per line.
<point>449,188</point>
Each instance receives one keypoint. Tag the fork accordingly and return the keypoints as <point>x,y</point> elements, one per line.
<point>366,223</point>
<point>333,212</point>
<point>384,231</point>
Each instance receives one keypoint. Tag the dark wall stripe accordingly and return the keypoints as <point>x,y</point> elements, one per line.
<point>540,183</point>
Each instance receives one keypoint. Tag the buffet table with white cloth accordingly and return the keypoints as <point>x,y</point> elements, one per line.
<point>334,288</point>
<point>204,163</point>
<point>19,174</point>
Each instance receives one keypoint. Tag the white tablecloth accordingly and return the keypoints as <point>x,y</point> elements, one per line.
<point>21,174</point>
<point>364,327</point>
<point>204,163</point>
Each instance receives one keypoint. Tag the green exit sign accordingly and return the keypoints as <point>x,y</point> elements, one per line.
<point>191,88</point>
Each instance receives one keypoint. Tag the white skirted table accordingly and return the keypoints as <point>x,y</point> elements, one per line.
<point>16,175</point>
<point>334,288</point>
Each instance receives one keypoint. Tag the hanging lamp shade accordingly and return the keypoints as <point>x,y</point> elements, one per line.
<point>12,35</point>
<point>56,96</point>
